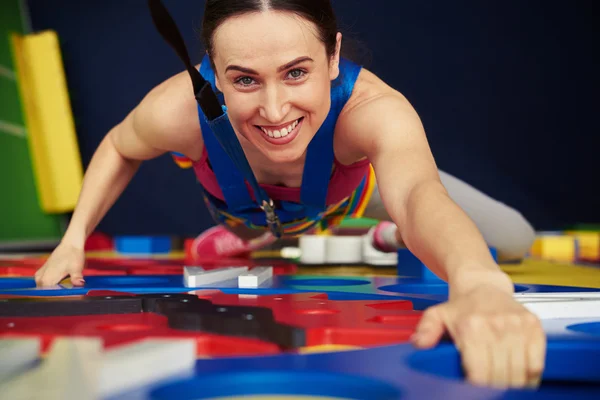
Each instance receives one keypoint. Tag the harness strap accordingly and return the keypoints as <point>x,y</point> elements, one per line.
<point>320,155</point>
<point>168,29</point>
<point>318,165</point>
<point>215,114</point>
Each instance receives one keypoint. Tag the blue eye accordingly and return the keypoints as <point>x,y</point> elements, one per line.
<point>245,80</point>
<point>296,73</point>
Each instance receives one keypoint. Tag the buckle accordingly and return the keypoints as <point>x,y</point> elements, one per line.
<point>272,218</point>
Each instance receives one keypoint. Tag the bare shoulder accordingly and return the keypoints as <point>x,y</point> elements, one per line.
<point>165,120</point>
<point>372,106</point>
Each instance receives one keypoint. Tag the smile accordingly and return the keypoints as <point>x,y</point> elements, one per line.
<point>281,134</point>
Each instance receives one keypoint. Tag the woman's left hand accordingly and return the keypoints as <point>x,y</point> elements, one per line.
<point>502,344</point>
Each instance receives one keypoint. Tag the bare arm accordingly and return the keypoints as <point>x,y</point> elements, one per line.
<point>388,131</point>
<point>165,120</point>
<point>501,343</point>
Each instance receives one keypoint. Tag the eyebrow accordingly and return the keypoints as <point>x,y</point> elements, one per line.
<point>282,68</point>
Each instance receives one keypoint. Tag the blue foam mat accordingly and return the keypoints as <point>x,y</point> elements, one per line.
<point>389,372</point>
<point>423,294</point>
<point>280,284</point>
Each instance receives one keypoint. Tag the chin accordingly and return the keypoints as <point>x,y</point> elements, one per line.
<point>280,154</point>
<point>289,156</point>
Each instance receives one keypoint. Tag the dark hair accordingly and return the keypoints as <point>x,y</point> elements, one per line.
<point>319,12</point>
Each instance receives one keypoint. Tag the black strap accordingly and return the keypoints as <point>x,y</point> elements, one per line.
<point>168,29</point>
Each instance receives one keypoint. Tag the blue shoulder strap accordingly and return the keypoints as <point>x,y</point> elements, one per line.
<point>230,179</point>
<point>319,158</point>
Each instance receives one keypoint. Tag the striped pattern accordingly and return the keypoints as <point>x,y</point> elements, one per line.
<point>352,206</point>
<point>362,195</point>
<point>181,160</point>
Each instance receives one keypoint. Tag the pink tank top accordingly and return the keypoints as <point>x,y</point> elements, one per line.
<point>344,180</point>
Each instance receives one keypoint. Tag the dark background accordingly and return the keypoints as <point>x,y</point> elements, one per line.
<point>506,91</point>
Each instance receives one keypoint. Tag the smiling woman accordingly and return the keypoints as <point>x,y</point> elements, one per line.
<point>314,130</point>
<point>271,84</point>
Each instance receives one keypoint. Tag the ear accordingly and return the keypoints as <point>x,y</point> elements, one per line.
<point>334,63</point>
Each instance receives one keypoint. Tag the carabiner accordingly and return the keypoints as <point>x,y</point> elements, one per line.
<point>272,218</point>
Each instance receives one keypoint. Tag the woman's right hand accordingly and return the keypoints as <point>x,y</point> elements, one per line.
<point>165,119</point>
<point>66,259</point>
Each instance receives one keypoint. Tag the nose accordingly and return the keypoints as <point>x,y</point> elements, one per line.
<point>274,104</point>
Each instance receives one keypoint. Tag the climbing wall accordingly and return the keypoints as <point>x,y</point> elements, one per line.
<point>23,220</point>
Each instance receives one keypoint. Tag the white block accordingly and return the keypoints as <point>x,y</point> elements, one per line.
<point>16,355</point>
<point>197,276</point>
<point>255,277</point>
<point>344,250</point>
<point>132,366</point>
<point>524,296</point>
<point>550,308</point>
<point>80,369</point>
<point>69,372</point>
<point>312,249</point>
<point>71,369</point>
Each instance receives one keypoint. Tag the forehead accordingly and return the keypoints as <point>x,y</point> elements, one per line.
<point>265,37</point>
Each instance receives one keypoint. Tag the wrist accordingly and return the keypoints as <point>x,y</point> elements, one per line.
<point>74,238</point>
<point>468,279</point>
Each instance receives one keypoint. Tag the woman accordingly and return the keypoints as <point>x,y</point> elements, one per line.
<point>315,130</point>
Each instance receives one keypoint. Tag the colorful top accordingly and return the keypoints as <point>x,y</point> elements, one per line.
<point>322,200</point>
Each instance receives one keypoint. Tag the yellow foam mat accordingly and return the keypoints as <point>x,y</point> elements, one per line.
<point>556,248</point>
<point>530,271</point>
<point>541,272</point>
<point>588,243</point>
<point>50,128</point>
<point>327,348</point>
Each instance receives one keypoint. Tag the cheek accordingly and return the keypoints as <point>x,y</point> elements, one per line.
<point>313,97</point>
<point>315,101</point>
<point>240,108</point>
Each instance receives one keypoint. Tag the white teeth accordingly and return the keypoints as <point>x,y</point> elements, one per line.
<point>281,133</point>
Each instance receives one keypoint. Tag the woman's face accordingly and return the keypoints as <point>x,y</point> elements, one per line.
<point>275,76</point>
